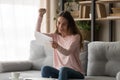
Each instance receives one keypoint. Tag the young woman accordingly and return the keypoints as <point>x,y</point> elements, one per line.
<point>67,44</point>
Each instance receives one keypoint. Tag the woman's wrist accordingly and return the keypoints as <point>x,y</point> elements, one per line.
<point>59,47</point>
<point>40,19</point>
<point>41,16</point>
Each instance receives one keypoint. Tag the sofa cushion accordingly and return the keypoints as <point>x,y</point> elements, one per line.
<point>99,78</point>
<point>40,55</point>
<point>113,57</point>
<point>103,58</point>
<point>36,54</point>
<point>84,56</point>
<point>41,51</point>
<point>15,66</point>
<point>118,76</point>
<point>36,50</point>
<point>49,55</point>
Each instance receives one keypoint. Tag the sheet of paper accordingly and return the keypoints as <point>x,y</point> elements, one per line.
<point>43,39</point>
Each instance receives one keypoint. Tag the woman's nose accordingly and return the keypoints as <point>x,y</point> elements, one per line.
<point>60,26</point>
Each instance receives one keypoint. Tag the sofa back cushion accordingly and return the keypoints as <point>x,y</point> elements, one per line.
<point>40,55</point>
<point>9,66</point>
<point>84,56</point>
<point>103,58</point>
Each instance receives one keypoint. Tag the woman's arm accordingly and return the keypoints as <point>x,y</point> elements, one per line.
<point>70,50</point>
<point>75,44</point>
<point>42,11</point>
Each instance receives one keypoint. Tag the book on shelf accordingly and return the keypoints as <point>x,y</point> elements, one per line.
<point>101,10</point>
<point>80,11</point>
<point>115,14</point>
<point>86,12</point>
<point>113,17</point>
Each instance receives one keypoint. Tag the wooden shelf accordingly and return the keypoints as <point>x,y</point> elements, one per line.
<point>99,1</point>
<point>82,19</point>
<point>85,2</point>
<point>107,1</point>
<point>99,19</point>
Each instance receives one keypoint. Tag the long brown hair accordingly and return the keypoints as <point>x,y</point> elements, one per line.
<point>71,25</point>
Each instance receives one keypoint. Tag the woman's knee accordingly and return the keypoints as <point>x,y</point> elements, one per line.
<point>63,70</point>
<point>45,68</point>
<point>45,71</point>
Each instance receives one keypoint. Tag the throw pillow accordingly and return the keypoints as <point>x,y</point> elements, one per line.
<point>15,66</point>
<point>41,51</point>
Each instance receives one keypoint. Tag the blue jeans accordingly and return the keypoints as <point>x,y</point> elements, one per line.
<point>64,73</point>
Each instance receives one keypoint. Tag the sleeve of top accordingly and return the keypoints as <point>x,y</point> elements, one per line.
<point>74,45</point>
<point>43,37</point>
<point>38,34</point>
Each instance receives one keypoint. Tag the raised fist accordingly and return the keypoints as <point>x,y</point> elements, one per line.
<point>42,11</point>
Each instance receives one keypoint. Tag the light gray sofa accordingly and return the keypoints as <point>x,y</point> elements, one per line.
<point>100,60</point>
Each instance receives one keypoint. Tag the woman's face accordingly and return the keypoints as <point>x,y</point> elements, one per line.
<point>62,25</point>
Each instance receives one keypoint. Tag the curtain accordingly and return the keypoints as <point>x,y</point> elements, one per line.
<point>53,14</point>
<point>17,24</point>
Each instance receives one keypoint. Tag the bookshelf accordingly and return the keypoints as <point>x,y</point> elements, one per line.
<point>88,3</point>
<point>93,19</point>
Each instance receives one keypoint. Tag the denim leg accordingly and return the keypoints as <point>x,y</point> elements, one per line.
<point>66,73</point>
<point>47,71</point>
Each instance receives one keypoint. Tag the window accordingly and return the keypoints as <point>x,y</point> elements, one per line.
<point>17,24</point>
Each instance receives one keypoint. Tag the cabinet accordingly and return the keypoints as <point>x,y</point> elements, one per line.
<point>93,18</point>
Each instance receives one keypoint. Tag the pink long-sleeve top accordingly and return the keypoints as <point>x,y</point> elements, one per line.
<point>67,55</point>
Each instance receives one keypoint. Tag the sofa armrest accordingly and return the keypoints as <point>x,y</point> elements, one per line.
<point>118,76</point>
<point>9,66</point>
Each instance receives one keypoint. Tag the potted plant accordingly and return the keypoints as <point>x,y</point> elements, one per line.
<point>85,28</point>
<point>73,7</point>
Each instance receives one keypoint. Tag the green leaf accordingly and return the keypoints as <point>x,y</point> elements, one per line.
<point>86,25</point>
